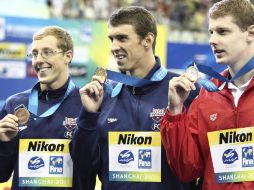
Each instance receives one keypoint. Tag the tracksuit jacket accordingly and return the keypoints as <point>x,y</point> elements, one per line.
<point>132,110</point>
<point>185,135</point>
<point>56,126</point>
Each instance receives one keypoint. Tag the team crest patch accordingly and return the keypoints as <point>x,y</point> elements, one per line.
<point>156,116</point>
<point>70,124</point>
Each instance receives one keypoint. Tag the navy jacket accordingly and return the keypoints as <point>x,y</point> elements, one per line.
<point>134,109</point>
<point>55,126</point>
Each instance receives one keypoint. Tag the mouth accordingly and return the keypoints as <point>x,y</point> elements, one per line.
<point>119,57</point>
<point>218,51</point>
<point>42,69</point>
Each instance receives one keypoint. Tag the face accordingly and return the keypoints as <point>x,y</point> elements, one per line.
<point>52,70</point>
<point>126,47</point>
<point>228,42</point>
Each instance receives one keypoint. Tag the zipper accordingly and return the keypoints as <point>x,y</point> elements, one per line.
<point>47,96</point>
<point>133,90</point>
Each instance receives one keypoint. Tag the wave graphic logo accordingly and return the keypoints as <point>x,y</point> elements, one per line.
<point>35,163</point>
<point>229,156</point>
<point>125,157</point>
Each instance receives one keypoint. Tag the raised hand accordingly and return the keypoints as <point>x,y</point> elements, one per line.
<point>8,127</point>
<point>92,94</point>
<point>178,92</point>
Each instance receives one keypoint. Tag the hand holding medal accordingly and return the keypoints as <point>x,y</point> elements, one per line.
<point>101,74</point>
<point>23,115</point>
<point>192,72</point>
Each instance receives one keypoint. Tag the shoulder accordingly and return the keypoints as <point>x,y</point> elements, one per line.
<point>15,100</point>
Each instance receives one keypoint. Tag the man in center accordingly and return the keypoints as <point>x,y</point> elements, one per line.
<point>118,134</point>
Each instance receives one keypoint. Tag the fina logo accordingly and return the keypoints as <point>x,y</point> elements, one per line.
<point>35,163</point>
<point>56,164</point>
<point>247,156</point>
<point>125,157</point>
<point>229,156</point>
<point>145,159</point>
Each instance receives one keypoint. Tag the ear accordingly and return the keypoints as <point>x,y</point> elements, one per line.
<point>148,41</point>
<point>250,31</point>
<point>68,56</point>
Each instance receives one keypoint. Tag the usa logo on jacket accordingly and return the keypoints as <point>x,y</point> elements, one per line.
<point>156,116</point>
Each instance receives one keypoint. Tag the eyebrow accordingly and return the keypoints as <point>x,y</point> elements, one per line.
<point>118,36</point>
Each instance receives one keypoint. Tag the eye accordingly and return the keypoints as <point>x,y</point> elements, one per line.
<point>34,54</point>
<point>122,38</point>
<point>222,31</point>
<point>47,52</point>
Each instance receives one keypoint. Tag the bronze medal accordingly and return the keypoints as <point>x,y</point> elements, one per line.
<point>192,71</point>
<point>100,72</point>
<point>23,115</point>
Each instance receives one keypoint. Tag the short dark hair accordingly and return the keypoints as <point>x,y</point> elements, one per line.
<point>142,20</point>
<point>242,12</point>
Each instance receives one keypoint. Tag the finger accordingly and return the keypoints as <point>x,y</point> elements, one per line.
<point>183,83</point>
<point>98,79</point>
<point>10,118</point>
<point>8,125</point>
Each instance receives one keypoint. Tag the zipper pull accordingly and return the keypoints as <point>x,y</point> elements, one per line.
<point>133,90</point>
<point>47,96</point>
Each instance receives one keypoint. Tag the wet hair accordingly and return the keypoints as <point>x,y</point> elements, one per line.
<point>242,12</point>
<point>64,40</point>
<point>140,18</point>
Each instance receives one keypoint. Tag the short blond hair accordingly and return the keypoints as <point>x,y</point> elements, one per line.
<point>242,12</point>
<point>64,40</point>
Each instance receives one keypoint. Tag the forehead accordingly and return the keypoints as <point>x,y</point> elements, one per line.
<point>45,42</point>
<point>222,22</point>
<point>124,29</point>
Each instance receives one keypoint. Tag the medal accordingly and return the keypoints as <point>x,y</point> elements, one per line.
<point>101,73</point>
<point>23,115</point>
<point>192,71</point>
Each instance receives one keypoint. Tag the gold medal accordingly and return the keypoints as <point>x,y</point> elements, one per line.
<point>192,71</point>
<point>100,72</point>
<point>23,115</point>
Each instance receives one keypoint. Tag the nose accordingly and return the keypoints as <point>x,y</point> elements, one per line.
<point>213,39</point>
<point>114,46</point>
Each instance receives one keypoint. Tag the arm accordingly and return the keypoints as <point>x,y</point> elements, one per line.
<point>179,131</point>
<point>8,144</point>
<point>180,139</point>
<point>84,146</point>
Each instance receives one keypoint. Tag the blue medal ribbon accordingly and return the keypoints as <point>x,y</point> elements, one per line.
<point>33,101</point>
<point>133,81</point>
<point>210,86</point>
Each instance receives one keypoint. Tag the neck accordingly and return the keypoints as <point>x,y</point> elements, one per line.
<point>53,86</point>
<point>144,67</point>
<point>246,77</point>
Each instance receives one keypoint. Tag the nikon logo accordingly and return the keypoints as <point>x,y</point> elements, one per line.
<point>132,139</point>
<point>233,137</point>
<point>43,146</point>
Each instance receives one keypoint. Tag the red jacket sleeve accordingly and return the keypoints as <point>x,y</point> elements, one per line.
<point>180,139</point>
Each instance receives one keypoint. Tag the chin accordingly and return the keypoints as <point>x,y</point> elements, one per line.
<point>220,61</point>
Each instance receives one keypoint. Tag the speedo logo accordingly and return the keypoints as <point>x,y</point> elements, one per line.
<point>43,146</point>
<point>134,140</point>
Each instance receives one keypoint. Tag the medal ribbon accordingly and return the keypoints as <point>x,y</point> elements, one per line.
<point>210,86</point>
<point>33,101</point>
<point>133,81</point>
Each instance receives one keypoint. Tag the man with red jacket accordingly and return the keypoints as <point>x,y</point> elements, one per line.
<point>214,139</point>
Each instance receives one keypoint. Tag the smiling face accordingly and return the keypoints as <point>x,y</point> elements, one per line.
<point>229,43</point>
<point>53,71</point>
<point>127,47</point>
